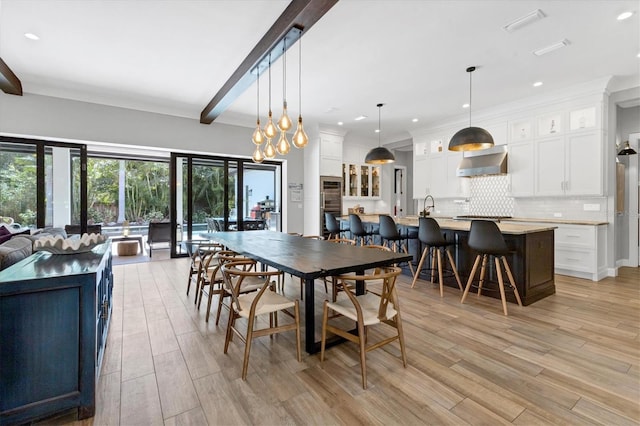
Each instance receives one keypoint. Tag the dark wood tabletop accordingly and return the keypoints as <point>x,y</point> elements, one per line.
<point>306,258</point>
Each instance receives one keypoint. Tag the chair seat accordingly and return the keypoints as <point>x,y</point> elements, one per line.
<point>369,302</point>
<point>269,302</point>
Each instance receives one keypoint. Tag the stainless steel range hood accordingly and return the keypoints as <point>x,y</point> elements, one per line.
<point>491,161</point>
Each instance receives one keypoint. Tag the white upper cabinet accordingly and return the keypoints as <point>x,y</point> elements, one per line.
<point>521,167</point>
<point>330,155</point>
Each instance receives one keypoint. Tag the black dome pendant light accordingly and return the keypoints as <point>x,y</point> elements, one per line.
<point>627,150</point>
<point>379,155</point>
<point>471,138</point>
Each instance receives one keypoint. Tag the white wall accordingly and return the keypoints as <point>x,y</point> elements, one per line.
<point>52,118</point>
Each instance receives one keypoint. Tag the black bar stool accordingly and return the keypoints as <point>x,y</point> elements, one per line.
<point>333,226</point>
<point>389,234</point>
<point>358,231</point>
<point>430,235</point>
<point>485,238</point>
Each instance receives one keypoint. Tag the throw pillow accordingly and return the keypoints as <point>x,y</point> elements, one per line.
<point>5,234</point>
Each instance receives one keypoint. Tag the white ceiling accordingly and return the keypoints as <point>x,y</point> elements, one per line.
<point>172,56</point>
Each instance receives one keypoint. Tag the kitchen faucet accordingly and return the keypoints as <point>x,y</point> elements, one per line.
<point>426,212</point>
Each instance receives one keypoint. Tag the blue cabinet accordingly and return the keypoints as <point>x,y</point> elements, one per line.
<point>54,320</point>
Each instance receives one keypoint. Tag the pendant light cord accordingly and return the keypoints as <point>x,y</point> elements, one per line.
<point>258,95</point>
<point>379,129</point>
<point>269,82</point>
<point>300,76</point>
<point>284,71</point>
<point>470,99</point>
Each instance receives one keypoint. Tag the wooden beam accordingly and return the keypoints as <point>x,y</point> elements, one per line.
<point>9,83</point>
<point>300,14</point>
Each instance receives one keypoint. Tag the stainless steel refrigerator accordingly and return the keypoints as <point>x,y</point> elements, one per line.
<point>330,199</point>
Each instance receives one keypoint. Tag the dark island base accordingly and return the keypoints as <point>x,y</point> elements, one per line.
<point>531,263</point>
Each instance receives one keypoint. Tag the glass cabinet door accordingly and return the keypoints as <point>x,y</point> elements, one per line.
<point>375,181</point>
<point>353,180</point>
<point>364,181</point>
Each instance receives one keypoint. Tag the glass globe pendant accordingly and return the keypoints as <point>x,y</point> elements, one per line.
<point>285,122</point>
<point>283,146</point>
<point>270,130</point>
<point>258,136</point>
<point>300,138</point>
<point>258,156</point>
<point>269,150</point>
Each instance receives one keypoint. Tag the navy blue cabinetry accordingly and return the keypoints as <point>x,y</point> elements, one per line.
<point>54,320</point>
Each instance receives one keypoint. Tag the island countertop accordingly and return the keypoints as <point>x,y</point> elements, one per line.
<point>464,225</point>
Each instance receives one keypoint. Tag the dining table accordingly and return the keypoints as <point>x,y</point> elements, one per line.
<point>308,259</point>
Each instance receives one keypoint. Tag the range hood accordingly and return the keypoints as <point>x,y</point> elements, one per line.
<point>491,161</point>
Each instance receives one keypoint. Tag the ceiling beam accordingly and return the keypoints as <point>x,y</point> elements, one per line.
<point>299,14</point>
<point>9,83</point>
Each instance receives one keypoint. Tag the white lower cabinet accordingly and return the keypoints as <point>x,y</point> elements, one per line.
<point>580,251</point>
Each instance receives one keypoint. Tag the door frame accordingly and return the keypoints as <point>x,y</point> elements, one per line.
<point>632,184</point>
<point>399,205</point>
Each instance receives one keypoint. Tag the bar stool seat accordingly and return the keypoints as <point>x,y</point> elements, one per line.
<point>485,238</point>
<point>333,226</point>
<point>391,236</point>
<point>359,232</point>
<point>430,235</point>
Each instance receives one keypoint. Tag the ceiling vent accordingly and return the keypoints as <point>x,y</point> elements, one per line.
<point>530,17</point>
<point>551,47</point>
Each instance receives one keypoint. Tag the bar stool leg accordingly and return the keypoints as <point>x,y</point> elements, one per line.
<point>511,280</point>
<point>415,276</point>
<point>440,273</point>
<point>404,249</point>
<point>483,270</point>
<point>453,268</point>
<point>470,280</point>
<point>501,284</point>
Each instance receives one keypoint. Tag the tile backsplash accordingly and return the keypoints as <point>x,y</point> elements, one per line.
<point>490,196</point>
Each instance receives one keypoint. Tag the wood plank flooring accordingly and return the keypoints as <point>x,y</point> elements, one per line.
<point>572,358</point>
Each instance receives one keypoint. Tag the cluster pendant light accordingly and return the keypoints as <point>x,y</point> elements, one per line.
<point>270,131</point>
<point>471,138</point>
<point>379,155</point>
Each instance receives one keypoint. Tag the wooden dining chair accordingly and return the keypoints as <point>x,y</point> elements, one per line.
<point>247,286</point>
<point>250,305</point>
<point>366,310</point>
<point>196,253</point>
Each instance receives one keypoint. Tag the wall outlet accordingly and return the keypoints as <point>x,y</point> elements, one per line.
<point>557,215</point>
<point>591,207</point>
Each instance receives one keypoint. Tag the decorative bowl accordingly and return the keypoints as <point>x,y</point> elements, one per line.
<point>59,245</point>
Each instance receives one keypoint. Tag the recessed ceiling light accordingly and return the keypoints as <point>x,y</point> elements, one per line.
<point>340,123</point>
<point>555,46</point>
<point>638,55</point>
<point>415,120</point>
<point>524,20</point>
<point>31,36</point>
<point>360,117</point>
<point>625,15</point>
<point>537,84</point>
<point>377,130</point>
<point>465,105</point>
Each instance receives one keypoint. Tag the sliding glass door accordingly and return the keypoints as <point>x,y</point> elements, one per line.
<point>212,194</point>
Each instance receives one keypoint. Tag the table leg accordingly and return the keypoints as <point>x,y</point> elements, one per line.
<point>309,318</point>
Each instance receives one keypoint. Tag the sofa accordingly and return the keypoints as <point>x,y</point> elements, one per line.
<point>16,245</point>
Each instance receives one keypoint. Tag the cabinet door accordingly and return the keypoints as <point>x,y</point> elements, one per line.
<point>454,183</point>
<point>521,169</point>
<point>364,181</point>
<point>583,164</point>
<point>421,177</point>
<point>549,166</point>
<point>375,181</point>
<point>439,178</point>
<point>353,180</point>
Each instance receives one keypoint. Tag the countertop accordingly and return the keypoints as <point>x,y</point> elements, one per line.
<point>464,225</point>
<point>373,217</point>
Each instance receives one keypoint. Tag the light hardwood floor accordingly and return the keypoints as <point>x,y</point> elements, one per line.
<point>572,358</point>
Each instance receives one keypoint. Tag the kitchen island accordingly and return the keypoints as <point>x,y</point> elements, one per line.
<point>532,260</point>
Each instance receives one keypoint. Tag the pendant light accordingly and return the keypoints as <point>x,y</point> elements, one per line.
<point>285,122</point>
<point>379,155</point>
<point>471,138</point>
<point>258,135</point>
<point>627,150</point>
<point>300,138</point>
<point>283,147</point>
<point>270,130</point>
